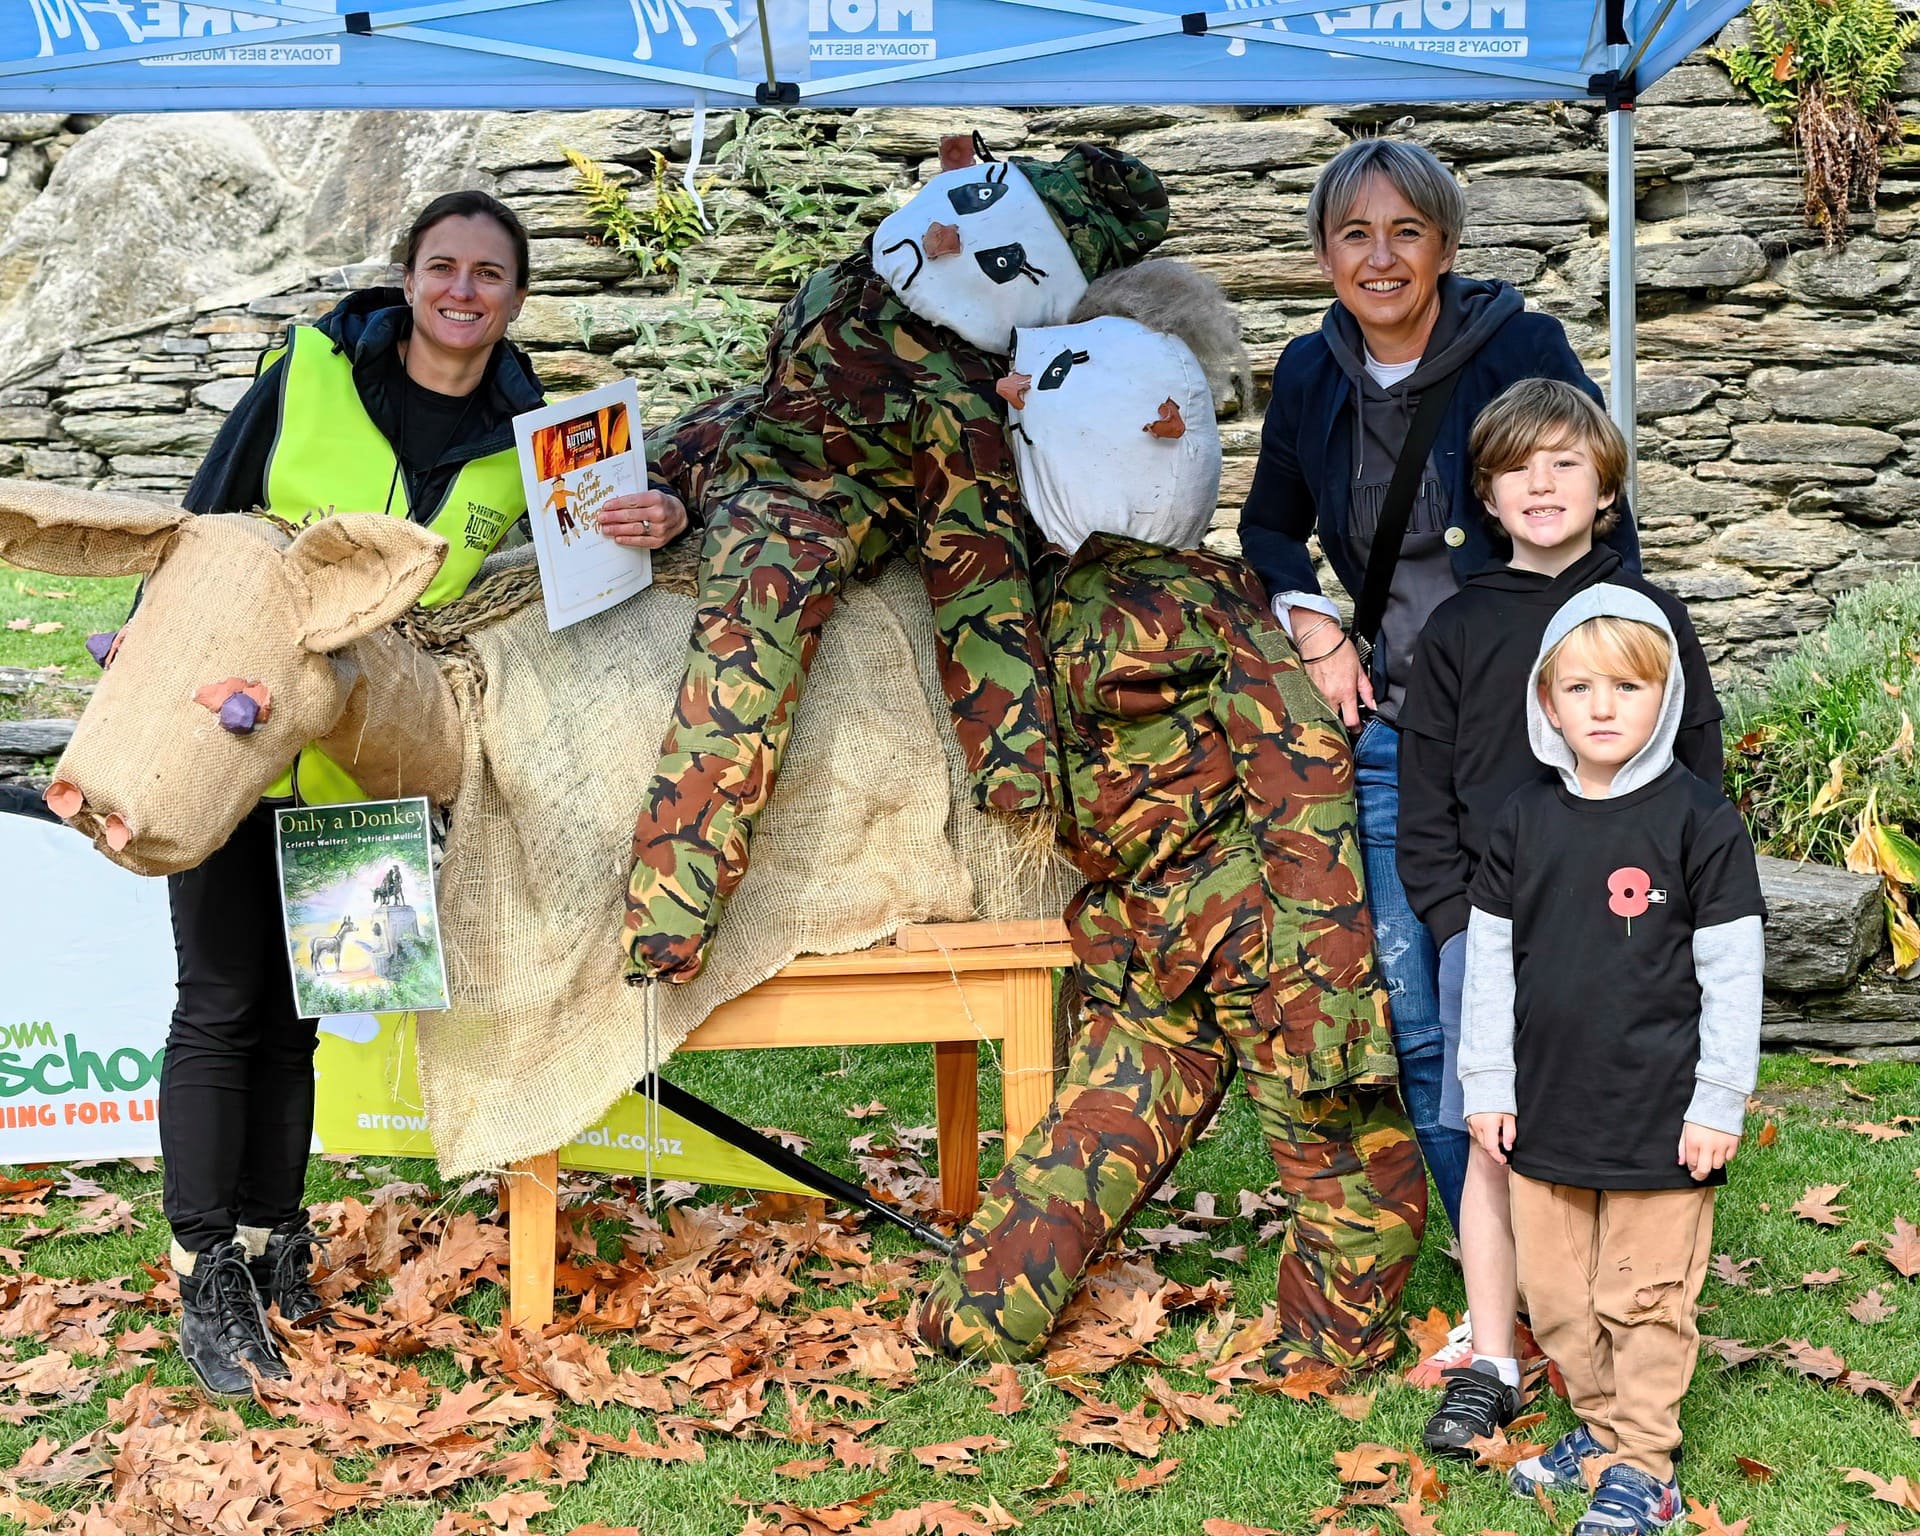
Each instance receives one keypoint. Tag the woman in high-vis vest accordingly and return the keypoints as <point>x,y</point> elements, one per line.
<point>398,401</point>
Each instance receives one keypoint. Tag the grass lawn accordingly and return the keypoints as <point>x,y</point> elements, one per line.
<point>80,606</point>
<point>1274,1467</point>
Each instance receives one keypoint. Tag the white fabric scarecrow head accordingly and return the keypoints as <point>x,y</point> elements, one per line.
<point>976,251</point>
<point>1113,432</point>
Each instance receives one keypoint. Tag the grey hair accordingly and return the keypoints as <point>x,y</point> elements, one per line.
<point>1412,171</point>
<point>1178,300</point>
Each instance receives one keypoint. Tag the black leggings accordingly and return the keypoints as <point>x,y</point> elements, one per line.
<point>236,1086</point>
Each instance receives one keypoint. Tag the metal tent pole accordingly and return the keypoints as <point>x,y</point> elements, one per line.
<point>1621,296</point>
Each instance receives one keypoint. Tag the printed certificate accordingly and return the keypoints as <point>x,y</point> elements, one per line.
<point>576,456</point>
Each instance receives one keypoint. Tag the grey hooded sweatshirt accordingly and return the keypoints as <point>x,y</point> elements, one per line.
<point>1470,312</point>
<point>1614,953</point>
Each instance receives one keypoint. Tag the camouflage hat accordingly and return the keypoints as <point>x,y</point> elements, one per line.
<point>1112,209</point>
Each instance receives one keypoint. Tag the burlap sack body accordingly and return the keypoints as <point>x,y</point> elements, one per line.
<point>871,827</point>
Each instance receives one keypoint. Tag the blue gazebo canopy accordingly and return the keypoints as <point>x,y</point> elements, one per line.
<point>169,55</point>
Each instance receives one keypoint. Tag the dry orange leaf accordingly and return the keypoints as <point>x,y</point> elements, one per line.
<point>1817,1206</point>
<point>1235,1528</point>
<point>1002,1382</point>
<point>1754,1471</point>
<point>1706,1519</point>
<point>1871,1308</point>
<point>1367,1462</point>
<point>1769,1134</point>
<point>1148,1477</point>
<point>1497,1452</point>
<point>800,1470</point>
<point>1897,1491</point>
<point>1903,1247</point>
<point>954,1458</point>
<point>1429,1334</point>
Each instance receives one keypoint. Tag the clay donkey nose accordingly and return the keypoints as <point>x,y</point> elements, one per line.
<point>240,703</point>
<point>1013,388</point>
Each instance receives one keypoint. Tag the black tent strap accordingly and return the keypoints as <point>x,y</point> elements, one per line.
<point>777,93</point>
<point>1615,89</point>
<point>1617,24</point>
<point>784,1159</point>
<point>360,23</point>
<point>1194,23</point>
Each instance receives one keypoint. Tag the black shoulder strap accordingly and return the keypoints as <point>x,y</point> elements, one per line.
<point>1397,508</point>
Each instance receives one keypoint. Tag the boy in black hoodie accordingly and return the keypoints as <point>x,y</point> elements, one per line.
<point>1550,467</point>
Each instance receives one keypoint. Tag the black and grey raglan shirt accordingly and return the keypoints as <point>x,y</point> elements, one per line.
<point>1614,955</point>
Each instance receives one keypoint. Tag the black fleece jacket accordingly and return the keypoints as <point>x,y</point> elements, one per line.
<point>1463,728</point>
<point>368,326</point>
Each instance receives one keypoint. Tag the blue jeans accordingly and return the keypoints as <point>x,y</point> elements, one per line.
<point>1408,961</point>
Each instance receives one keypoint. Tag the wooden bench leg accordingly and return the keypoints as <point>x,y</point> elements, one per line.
<point>956,1116</point>
<point>1026,1054</point>
<point>533,1200</point>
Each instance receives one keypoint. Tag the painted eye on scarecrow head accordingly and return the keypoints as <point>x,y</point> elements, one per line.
<point>1006,262</point>
<point>977,196</point>
<point>1057,370</point>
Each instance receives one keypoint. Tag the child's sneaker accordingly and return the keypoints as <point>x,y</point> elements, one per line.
<point>1476,1403</point>
<point>1558,1466</point>
<point>1629,1502</point>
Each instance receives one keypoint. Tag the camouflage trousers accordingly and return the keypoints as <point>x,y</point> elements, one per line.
<point>1144,1081</point>
<point>771,568</point>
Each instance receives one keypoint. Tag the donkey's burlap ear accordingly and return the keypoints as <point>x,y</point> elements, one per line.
<point>356,573</point>
<point>67,532</point>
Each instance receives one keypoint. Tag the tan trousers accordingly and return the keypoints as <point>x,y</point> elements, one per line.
<point>1611,1277</point>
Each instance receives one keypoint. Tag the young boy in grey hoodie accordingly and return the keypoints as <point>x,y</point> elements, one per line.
<point>1610,1035</point>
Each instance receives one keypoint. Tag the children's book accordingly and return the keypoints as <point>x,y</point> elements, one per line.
<point>356,891</point>
<point>575,457</point>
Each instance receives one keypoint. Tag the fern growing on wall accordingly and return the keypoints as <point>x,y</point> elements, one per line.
<point>658,236</point>
<point>1825,70</point>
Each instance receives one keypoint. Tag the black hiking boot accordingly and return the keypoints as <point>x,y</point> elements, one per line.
<point>223,1328</point>
<point>1473,1404</point>
<point>283,1274</point>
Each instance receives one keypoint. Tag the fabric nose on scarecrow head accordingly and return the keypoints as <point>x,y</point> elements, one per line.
<point>1117,434</point>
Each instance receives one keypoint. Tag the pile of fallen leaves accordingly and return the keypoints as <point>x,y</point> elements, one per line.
<point>718,1291</point>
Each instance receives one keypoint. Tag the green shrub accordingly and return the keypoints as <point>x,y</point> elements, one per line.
<point>1829,724</point>
<point>1826,70</point>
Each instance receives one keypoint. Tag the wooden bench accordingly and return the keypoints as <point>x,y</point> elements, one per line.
<point>951,985</point>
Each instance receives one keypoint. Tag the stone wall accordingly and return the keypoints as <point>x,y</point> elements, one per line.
<point>1779,383</point>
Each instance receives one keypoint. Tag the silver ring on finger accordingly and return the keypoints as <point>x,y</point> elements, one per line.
<point>646,525</point>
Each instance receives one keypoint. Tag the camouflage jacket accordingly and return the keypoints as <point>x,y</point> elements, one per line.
<point>1208,784</point>
<point>890,424</point>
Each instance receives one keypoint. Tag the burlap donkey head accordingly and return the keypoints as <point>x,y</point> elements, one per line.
<point>232,662</point>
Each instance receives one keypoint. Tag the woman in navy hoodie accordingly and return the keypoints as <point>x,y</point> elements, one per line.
<point>1385,218</point>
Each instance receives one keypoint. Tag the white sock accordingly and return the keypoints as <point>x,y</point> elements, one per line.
<point>255,1238</point>
<point>1507,1370</point>
<point>182,1260</point>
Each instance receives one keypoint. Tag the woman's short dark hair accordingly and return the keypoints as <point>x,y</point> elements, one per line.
<point>466,205</point>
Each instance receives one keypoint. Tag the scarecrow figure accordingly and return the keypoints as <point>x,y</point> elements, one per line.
<point>876,433</point>
<point>1210,803</point>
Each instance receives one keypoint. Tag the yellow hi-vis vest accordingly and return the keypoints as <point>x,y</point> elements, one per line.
<point>329,457</point>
